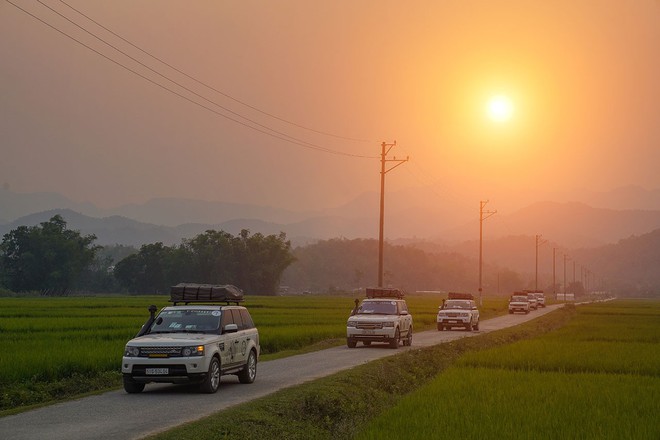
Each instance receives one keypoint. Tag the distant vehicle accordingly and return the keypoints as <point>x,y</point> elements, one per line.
<point>540,298</point>
<point>196,342</point>
<point>519,302</point>
<point>382,317</point>
<point>533,303</point>
<point>458,310</point>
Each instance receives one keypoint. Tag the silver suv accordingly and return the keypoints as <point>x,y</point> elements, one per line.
<point>197,342</point>
<point>459,310</point>
<point>382,317</point>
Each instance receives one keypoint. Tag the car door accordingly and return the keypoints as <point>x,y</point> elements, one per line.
<point>228,345</point>
<point>239,338</point>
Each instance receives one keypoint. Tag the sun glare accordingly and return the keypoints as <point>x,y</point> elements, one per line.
<point>500,108</point>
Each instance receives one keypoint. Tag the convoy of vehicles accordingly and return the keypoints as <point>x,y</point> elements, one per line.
<point>208,336</point>
<point>206,333</point>
<point>458,310</point>
<point>382,317</point>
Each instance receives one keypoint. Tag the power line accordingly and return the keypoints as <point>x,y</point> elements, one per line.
<point>276,134</point>
<point>226,95</point>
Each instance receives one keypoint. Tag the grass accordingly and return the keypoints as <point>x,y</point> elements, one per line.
<point>598,377</point>
<point>338,406</point>
<point>68,346</point>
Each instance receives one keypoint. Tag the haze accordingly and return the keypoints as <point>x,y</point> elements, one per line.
<point>582,76</point>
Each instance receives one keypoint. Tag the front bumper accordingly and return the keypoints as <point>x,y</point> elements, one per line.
<point>172,370</point>
<point>373,335</point>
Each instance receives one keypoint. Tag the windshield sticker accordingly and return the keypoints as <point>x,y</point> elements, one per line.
<point>216,313</point>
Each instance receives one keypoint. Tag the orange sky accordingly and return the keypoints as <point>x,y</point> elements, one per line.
<point>583,77</point>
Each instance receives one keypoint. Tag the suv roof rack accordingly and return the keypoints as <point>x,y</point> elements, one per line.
<point>459,295</point>
<point>384,292</point>
<point>205,293</point>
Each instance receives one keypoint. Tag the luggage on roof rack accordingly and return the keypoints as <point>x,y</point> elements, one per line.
<point>384,292</point>
<point>192,292</point>
<point>459,295</point>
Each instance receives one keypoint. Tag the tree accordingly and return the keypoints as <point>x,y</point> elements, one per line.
<point>46,258</point>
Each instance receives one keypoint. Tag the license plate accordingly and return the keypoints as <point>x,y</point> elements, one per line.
<point>157,371</point>
<point>453,322</point>
<point>368,332</point>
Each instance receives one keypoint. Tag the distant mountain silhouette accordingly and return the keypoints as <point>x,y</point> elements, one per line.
<point>572,224</point>
<point>169,221</point>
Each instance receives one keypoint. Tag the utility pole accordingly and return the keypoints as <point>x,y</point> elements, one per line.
<point>554,283</point>
<point>539,242</point>
<point>383,160</point>
<point>483,215</point>
<point>566,257</point>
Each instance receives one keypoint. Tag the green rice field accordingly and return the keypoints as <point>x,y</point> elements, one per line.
<point>598,377</point>
<point>53,348</point>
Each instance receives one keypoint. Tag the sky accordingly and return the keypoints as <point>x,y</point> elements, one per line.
<point>286,103</point>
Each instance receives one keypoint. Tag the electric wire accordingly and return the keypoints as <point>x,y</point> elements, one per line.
<point>226,95</point>
<point>276,134</point>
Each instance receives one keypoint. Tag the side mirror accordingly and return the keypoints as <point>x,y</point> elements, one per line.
<point>404,312</point>
<point>230,328</point>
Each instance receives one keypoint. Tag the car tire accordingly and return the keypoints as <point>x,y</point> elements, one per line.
<point>351,342</point>
<point>249,373</point>
<point>396,340</point>
<point>440,327</point>
<point>468,328</point>
<point>211,382</point>
<point>476,326</point>
<point>408,341</point>
<point>131,386</point>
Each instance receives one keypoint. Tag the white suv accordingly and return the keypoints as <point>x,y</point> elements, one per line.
<point>459,310</point>
<point>193,343</point>
<point>519,302</point>
<point>382,317</point>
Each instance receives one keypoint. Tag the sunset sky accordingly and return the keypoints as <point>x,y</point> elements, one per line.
<point>316,86</point>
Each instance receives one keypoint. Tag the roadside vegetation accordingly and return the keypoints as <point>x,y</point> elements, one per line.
<point>477,388</point>
<point>339,406</point>
<point>57,348</point>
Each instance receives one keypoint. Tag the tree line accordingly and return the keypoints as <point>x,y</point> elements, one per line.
<point>53,260</point>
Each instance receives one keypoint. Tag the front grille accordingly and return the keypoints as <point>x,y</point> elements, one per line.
<point>160,352</point>
<point>370,325</point>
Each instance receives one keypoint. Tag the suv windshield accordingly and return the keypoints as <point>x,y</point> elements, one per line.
<point>377,307</point>
<point>187,321</point>
<point>519,298</point>
<point>457,304</point>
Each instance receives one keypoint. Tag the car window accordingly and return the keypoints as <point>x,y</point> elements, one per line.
<point>237,318</point>
<point>247,319</point>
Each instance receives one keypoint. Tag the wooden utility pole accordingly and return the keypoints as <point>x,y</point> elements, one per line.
<point>483,215</point>
<point>383,160</point>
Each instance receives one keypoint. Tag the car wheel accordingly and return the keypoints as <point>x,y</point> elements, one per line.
<point>351,342</point>
<point>131,386</point>
<point>510,312</point>
<point>212,381</point>
<point>468,328</point>
<point>394,342</point>
<point>249,373</point>
<point>440,327</point>
<point>476,326</point>
<point>408,341</point>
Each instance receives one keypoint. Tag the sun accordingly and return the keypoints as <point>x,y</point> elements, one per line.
<point>500,108</point>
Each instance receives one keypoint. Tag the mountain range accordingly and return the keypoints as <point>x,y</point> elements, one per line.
<point>169,220</point>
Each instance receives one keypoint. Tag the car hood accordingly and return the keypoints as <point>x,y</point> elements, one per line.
<point>376,317</point>
<point>173,339</point>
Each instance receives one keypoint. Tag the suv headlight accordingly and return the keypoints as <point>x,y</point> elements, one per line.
<point>351,324</point>
<point>197,350</point>
<point>131,351</point>
<point>388,324</point>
